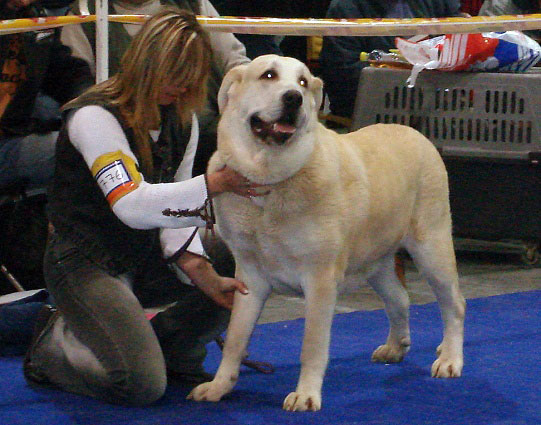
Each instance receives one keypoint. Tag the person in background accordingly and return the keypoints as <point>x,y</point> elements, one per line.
<point>509,7</point>
<point>123,209</point>
<point>227,52</point>
<point>513,7</point>
<point>340,63</point>
<point>471,7</point>
<point>255,44</point>
<point>295,45</point>
<point>38,75</point>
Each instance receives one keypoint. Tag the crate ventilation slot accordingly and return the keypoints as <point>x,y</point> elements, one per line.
<point>401,102</point>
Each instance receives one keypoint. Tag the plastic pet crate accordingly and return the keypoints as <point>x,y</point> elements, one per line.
<point>487,128</point>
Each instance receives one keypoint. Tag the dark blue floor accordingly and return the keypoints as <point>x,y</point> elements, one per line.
<point>500,383</point>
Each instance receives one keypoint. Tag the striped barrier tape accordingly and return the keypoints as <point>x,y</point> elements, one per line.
<point>11,26</point>
<point>297,26</point>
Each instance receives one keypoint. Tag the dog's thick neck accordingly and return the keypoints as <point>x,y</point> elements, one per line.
<point>261,163</point>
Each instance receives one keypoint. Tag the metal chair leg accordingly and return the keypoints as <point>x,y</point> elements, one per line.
<point>12,279</point>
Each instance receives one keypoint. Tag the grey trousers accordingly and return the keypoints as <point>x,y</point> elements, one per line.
<point>102,345</point>
<point>29,159</point>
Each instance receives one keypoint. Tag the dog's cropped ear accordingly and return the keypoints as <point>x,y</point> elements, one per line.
<point>234,76</point>
<point>317,91</point>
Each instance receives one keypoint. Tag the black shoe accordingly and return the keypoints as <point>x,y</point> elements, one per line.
<point>44,321</point>
<point>190,379</point>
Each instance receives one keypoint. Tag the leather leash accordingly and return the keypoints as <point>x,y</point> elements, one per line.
<point>262,367</point>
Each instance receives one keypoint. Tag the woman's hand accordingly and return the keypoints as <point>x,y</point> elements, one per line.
<point>228,180</point>
<point>223,291</point>
<point>220,289</point>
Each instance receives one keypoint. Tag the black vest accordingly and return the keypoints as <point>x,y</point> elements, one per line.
<point>79,212</point>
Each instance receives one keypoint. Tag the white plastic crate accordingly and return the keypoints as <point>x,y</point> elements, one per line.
<point>489,115</point>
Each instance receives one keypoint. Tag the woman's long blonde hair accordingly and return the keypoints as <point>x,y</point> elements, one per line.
<point>170,49</point>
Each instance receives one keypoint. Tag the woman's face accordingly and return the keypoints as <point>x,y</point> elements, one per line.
<point>169,94</point>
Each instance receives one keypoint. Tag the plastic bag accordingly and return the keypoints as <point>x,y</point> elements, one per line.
<point>510,51</point>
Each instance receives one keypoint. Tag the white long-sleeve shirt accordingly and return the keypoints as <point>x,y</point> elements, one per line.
<point>94,132</point>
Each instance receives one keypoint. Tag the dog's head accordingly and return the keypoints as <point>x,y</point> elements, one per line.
<point>274,98</point>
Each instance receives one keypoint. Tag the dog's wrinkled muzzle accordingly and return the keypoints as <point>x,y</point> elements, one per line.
<point>281,130</point>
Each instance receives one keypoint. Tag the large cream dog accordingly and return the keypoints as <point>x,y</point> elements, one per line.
<point>338,207</point>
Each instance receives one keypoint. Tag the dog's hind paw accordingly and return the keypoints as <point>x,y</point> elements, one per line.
<point>447,368</point>
<point>302,402</point>
<point>389,354</point>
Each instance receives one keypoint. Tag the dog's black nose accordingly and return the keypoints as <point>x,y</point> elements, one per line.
<point>292,99</point>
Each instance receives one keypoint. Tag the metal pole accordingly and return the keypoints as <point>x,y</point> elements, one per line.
<point>11,278</point>
<point>102,41</point>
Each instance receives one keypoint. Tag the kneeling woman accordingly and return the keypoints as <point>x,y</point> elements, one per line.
<point>125,213</point>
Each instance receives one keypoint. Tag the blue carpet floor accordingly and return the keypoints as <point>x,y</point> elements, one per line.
<point>500,383</point>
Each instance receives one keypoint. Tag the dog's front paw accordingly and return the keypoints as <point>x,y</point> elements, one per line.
<point>208,391</point>
<point>301,402</point>
<point>447,368</point>
<point>390,353</point>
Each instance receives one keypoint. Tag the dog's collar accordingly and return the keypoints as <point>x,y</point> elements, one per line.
<point>260,201</point>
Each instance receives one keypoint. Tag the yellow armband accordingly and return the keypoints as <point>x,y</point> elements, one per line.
<point>116,174</point>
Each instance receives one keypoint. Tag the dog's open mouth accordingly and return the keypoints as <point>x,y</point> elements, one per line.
<point>278,132</point>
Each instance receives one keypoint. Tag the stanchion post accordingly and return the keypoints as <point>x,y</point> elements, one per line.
<point>102,41</point>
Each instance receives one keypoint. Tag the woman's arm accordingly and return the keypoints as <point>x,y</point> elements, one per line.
<point>98,136</point>
<point>227,50</point>
<point>202,274</point>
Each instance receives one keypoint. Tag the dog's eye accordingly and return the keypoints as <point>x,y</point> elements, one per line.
<point>269,75</point>
<point>303,82</point>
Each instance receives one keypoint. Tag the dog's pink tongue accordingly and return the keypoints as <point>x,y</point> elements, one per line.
<point>283,128</point>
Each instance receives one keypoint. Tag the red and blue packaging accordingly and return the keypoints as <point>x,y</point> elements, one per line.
<point>509,51</point>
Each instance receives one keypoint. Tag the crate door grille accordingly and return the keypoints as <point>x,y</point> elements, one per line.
<point>401,102</point>
<point>492,115</point>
